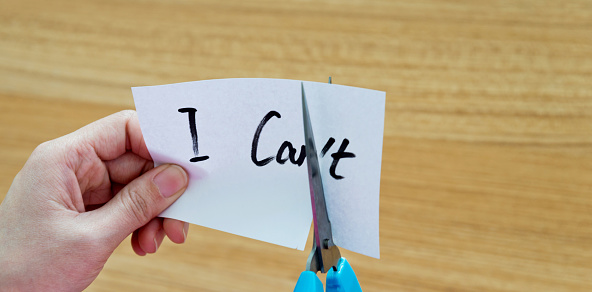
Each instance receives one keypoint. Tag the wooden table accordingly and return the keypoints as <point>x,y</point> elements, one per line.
<point>487,165</point>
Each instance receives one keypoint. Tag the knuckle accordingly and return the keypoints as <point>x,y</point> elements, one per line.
<point>40,160</point>
<point>127,113</point>
<point>51,151</point>
<point>42,150</point>
<point>137,205</point>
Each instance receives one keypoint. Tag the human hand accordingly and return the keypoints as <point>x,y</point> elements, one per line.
<point>76,198</point>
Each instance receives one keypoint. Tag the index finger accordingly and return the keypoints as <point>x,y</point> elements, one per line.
<point>114,135</point>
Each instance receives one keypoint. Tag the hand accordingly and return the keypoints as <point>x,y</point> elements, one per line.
<point>76,198</point>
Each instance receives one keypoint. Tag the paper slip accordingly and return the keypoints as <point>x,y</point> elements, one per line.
<point>241,141</point>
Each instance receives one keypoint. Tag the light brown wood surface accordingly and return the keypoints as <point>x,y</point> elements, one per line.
<point>487,166</point>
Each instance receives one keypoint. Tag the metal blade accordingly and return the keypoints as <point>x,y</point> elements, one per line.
<point>324,254</point>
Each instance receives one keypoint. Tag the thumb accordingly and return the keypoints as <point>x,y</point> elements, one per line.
<point>143,199</point>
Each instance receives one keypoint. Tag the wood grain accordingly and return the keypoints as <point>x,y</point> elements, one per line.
<point>487,166</point>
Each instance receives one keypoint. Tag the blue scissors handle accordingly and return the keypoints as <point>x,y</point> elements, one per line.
<point>343,279</point>
<point>308,282</point>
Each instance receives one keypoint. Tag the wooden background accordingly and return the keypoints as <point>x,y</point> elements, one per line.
<point>487,165</point>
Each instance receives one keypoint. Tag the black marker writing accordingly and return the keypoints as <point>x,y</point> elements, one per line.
<point>338,155</point>
<point>291,154</point>
<point>327,146</point>
<point>286,145</point>
<point>193,129</point>
<point>255,143</point>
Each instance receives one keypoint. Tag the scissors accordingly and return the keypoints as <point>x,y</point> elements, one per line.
<point>325,256</point>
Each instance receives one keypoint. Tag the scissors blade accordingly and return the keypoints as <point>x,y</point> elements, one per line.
<point>325,253</point>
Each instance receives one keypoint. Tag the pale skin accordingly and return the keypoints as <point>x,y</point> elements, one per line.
<point>77,198</point>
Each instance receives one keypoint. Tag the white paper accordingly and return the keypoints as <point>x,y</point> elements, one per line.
<point>229,192</point>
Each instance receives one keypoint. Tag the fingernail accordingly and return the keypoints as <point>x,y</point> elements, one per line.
<point>185,229</point>
<point>158,239</point>
<point>171,180</point>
